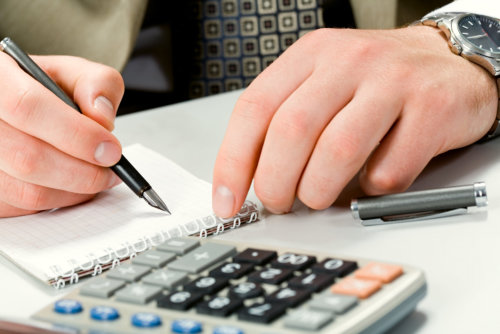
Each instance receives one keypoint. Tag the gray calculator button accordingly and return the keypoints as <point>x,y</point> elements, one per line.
<point>307,319</point>
<point>154,258</point>
<point>178,246</point>
<point>128,272</point>
<point>166,278</point>
<point>101,287</point>
<point>202,257</point>
<point>333,302</point>
<point>138,293</point>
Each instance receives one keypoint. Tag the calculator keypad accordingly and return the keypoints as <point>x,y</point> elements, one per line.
<point>182,280</point>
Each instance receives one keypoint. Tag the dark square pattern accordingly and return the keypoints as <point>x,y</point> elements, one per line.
<point>240,38</point>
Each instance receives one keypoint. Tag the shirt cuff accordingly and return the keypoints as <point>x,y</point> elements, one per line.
<point>484,7</point>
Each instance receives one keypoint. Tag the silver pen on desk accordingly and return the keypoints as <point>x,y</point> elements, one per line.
<point>123,168</point>
<point>415,205</point>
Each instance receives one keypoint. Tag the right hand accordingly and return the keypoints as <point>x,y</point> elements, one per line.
<point>51,156</point>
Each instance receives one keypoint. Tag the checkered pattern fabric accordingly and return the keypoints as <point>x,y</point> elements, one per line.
<point>239,38</point>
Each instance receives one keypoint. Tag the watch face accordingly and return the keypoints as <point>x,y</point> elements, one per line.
<point>481,31</point>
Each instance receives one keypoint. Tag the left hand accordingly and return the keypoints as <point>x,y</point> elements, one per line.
<point>339,101</point>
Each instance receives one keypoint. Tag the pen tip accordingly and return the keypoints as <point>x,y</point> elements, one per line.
<point>154,200</point>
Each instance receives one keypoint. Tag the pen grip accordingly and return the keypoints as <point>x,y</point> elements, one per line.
<point>417,202</point>
<point>130,176</point>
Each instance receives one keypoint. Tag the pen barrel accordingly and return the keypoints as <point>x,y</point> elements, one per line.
<point>130,176</point>
<point>30,67</point>
<point>434,200</point>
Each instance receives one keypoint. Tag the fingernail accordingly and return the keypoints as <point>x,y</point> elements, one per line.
<point>223,202</point>
<point>107,153</point>
<point>105,107</point>
<point>276,211</point>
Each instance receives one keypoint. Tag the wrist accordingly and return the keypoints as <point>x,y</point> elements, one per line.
<point>475,38</point>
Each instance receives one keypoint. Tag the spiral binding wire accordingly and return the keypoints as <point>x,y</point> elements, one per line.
<point>201,227</point>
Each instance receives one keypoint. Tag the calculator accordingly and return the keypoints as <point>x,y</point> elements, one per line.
<point>193,285</point>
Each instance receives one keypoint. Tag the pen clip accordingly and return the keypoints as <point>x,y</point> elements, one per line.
<point>412,217</point>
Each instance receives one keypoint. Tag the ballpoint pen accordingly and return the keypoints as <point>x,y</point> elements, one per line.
<point>123,168</point>
<point>416,205</point>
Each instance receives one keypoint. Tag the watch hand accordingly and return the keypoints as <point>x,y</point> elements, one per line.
<point>477,36</point>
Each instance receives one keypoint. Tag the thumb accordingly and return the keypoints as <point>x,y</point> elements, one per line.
<point>97,89</point>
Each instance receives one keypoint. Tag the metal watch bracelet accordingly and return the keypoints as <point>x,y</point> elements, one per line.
<point>443,21</point>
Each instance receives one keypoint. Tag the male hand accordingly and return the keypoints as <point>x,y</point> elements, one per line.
<point>342,101</point>
<point>50,155</point>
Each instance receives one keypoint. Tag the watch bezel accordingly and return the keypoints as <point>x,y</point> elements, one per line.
<point>467,46</point>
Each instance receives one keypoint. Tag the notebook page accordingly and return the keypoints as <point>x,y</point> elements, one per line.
<point>64,237</point>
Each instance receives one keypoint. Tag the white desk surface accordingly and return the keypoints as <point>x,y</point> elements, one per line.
<point>458,254</point>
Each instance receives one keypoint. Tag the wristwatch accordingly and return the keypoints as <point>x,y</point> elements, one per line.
<point>476,38</point>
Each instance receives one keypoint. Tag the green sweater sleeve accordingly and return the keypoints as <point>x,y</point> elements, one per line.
<point>100,30</point>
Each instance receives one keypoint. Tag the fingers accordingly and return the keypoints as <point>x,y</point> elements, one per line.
<point>31,160</point>
<point>12,211</point>
<point>31,109</point>
<point>21,198</point>
<point>240,149</point>
<point>51,155</point>
<point>432,122</point>
<point>345,144</point>
<point>398,160</point>
<point>96,89</point>
<point>425,128</point>
<point>316,116</point>
<point>292,136</point>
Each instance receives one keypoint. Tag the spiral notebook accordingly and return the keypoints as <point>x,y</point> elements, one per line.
<point>60,246</point>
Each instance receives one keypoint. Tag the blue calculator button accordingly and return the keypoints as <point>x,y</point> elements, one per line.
<point>146,320</point>
<point>68,306</point>
<point>104,313</point>
<point>227,330</point>
<point>185,326</point>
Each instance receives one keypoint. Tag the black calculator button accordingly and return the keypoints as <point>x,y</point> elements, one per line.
<point>246,290</point>
<point>270,275</point>
<point>337,267</point>
<point>290,297</point>
<point>206,285</point>
<point>255,256</point>
<point>179,300</point>
<point>232,270</point>
<point>220,306</point>
<point>293,261</point>
<point>262,312</point>
<point>314,281</point>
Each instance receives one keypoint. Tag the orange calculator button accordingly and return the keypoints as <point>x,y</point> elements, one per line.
<point>382,272</point>
<point>361,288</point>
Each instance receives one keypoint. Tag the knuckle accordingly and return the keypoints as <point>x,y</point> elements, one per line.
<point>29,196</point>
<point>112,76</point>
<point>24,162</point>
<point>233,158</point>
<point>385,183</point>
<point>72,137</point>
<point>252,104</point>
<point>294,124</point>
<point>93,182</point>
<point>316,202</point>
<point>344,148</point>
<point>317,36</point>
<point>270,196</point>
<point>19,108</point>
<point>318,190</point>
